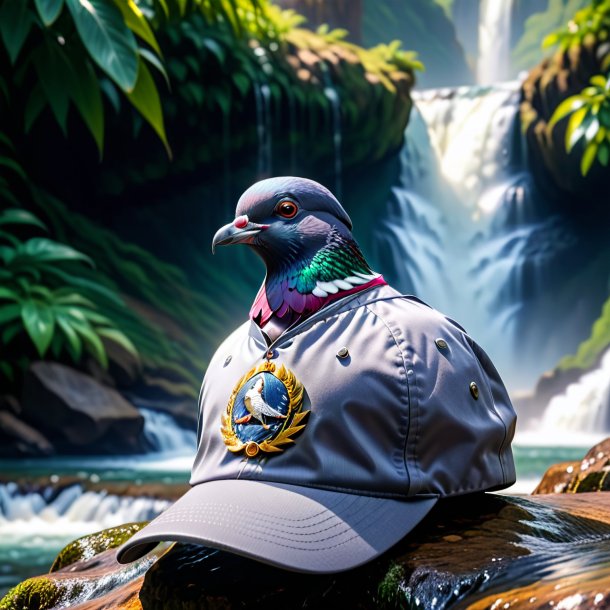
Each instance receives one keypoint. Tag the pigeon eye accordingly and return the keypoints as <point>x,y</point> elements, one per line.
<point>286,209</point>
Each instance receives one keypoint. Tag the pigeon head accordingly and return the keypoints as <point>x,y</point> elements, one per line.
<point>285,216</point>
<point>304,237</point>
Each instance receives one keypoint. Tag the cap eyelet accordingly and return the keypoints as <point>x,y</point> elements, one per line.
<point>343,353</point>
<point>441,344</point>
<point>228,360</point>
<point>474,390</point>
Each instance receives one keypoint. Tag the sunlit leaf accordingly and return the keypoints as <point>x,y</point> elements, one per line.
<point>575,129</point>
<point>588,158</point>
<point>49,10</point>
<point>17,216</point>
<point>93,342</point>
<point>145,98</point>
<point>599,81</point>
<point>15,24</point>
<point>39,323</point>
<point>42,249</point>
<point>109,41</point>
<point>137,23</point>
<point>566,107</point>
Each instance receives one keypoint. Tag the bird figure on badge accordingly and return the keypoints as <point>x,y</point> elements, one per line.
<point>257,407</point>
<point>304,237</point>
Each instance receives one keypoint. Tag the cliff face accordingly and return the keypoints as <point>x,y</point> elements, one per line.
<point>564,74</point>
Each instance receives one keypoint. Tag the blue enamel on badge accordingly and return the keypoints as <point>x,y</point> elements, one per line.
<point>264,411</point>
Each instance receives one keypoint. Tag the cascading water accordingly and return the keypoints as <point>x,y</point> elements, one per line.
<point>584,407</point>
<point>165,436</point>
<point>493,63</point>
<point>466,230</point>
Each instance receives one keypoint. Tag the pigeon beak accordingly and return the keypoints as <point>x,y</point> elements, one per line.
<point>240,231</point>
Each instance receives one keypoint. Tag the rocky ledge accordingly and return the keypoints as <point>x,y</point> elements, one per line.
<point>476,552</point>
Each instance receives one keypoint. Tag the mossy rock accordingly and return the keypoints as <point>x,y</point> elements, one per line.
<point>88,546</point>
<point>34,594</point>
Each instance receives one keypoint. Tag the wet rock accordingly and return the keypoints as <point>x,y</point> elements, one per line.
<point>77,413</point>
<point>479,551</point>
<point>19,438</point>
<point>590,474</point>
<point>88,546</point>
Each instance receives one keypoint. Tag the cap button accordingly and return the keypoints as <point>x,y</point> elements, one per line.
<point>343,353</point>
<point>474,390</point>
<point>441,343</point>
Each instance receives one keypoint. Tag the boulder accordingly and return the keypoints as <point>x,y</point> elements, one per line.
<point>19,438</point>
<point>591,474</point>
<point>478,551</point>
<point>77,413</point>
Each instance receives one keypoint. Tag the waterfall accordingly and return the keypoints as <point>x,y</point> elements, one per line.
<point>262,100</point>
<point>466,230</point>
<point>165,435</point>
<point>493,63</point>
<point>71,512</point>
<point>584,407</point>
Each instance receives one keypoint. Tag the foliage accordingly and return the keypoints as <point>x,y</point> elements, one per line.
<point>589,121</point>
<point>587,25</point>
<point>527,53</point>
<point>45,295</point>
<point>589,350</point>
<point>68,52</point>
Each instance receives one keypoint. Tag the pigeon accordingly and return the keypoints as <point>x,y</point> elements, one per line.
<point>257,407</point>
<point>304,237</point>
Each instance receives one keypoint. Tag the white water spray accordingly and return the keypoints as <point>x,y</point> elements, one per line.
<point>493,63</point>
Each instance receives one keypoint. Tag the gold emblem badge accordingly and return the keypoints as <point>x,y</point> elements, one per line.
<point>264,411</point>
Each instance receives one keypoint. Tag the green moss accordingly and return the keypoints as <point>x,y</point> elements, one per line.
<point>590,350</point>
<point>391,592</point>
<point>32,594</point>
<point>88,546</point>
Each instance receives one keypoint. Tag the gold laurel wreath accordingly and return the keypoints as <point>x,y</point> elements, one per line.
<point>291,425</point>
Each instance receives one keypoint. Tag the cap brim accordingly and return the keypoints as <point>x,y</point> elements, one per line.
<point>297,528</point>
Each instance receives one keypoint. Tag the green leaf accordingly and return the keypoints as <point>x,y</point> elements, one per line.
<point>49,10</point>
<point>54,75</point>
<point>566,107</point>
<point>75,345</point>
<point>8,293</point>
<point>39,323</point>
<point>153,60</point>
<point>42,249</point>
<point>588,158</point>
<point>575,129</point>
<point>94,343</point>
<point>599,81</point>
<point>109,41</point>
<point>118,337</point>
<point>12,164</point>
<point>16,216</point>
<point>145,99</point>
<point>137,23</point>
<point>88,100</point>
<point>85,284</point>
<point>15,24</point>
<point>9,312</point>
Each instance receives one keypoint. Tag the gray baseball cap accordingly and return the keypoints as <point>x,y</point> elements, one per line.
<point>321,451</point>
